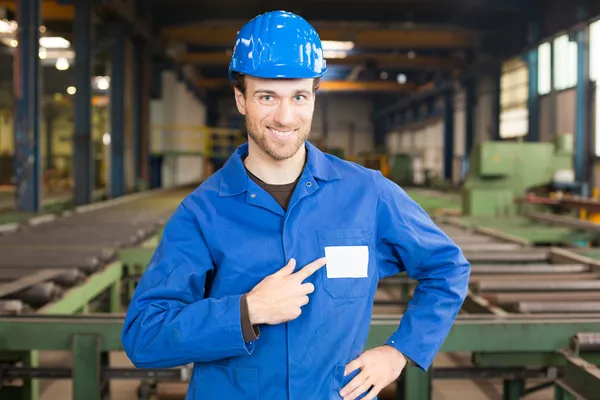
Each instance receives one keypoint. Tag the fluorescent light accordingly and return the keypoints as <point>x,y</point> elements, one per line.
<point>57,53</point>
<point>51,42</point>
<point>102,82</point>
<point>42,53</point>
<point>9,27</point>
<point>14,43</point>
<point>334,54</point>
<point>62,64</point>
<point>71,90</point>
<point>336,45</point>
<point>106,139</point>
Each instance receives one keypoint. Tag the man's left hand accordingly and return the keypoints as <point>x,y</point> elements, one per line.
<point>379,366</point>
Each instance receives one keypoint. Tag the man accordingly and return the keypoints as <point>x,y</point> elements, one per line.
<point>266,274</point>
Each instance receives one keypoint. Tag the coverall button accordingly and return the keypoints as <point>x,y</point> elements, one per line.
<point>253,195</point>
<point>308,184</point>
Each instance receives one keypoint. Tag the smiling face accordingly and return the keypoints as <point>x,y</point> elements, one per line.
<point>278,114</point>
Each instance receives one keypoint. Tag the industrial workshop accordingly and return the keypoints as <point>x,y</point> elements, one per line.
<point>455,149</point>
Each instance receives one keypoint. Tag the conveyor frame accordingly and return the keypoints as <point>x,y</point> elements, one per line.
<point>90,337</point>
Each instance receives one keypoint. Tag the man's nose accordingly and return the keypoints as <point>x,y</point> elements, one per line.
<point>284,114</point>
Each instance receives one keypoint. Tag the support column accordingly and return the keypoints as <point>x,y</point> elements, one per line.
<point>49,120</point>
<point>28,184</point>
<point>448,133</point>
<point>496,103</point>
<point>117,108</point>
<point>471,99</point>
<point>533,99</point>
<point>83,154</point>
<point>380,126</point>
<point>582,111</point>
<point>145,139</point>
<point>140,112</point>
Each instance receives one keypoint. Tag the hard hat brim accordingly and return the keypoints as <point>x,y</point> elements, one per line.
<point>281,71</point>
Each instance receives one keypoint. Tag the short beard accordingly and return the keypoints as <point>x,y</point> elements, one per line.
<point>263,143</point>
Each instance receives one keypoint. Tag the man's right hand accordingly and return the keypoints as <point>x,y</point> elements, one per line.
<point>279,297</point>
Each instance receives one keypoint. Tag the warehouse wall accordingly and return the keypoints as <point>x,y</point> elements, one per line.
<point>557,114</point>
<point>425,142</point>
<point>484,112</point>
<point>547,125</point>
<point>342,120</point>
<point>460,133</point>
<point>565,112</point>
<point>173,119</point>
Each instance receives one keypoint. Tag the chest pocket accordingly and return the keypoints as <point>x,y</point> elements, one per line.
<point>350,263</point>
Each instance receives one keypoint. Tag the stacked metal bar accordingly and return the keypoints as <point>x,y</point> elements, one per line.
<point>531,280</point>
<point>39,262</point>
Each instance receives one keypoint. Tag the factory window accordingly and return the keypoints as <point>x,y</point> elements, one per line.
<point>565,63</point>
<point>595,76</point>
<point>544,68</point>
<point>514,92</point>
<point>595,51</point>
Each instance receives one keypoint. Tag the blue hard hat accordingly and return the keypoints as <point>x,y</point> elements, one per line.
<point>278,44</point>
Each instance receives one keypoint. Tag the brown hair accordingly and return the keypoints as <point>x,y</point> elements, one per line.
<point>239,82</point>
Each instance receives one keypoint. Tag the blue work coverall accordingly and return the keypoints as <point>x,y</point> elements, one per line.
<point>229,234</point>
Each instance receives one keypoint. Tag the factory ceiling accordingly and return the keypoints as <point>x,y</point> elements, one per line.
<point>402,45</point>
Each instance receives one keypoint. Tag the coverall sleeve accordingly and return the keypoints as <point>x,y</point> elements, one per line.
<point>169,321</point>
<point>408,240</point>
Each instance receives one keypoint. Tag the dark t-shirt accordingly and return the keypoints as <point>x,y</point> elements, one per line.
<point>282,194</point>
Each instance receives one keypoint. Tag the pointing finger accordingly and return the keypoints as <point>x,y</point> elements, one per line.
<point>311,268</point>
<point>288,269</point>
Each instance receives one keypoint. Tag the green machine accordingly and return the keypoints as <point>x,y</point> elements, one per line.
<point>401,168</point>
<point>500,171</point>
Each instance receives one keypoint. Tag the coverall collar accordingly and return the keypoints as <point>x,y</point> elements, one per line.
<point>234,179</point>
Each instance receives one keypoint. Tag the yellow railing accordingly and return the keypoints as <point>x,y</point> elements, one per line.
<point>210,142</point>
<point>373,161</point>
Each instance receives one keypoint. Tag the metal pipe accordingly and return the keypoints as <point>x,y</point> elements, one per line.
<point>481,247</point>
<point>12,372</point>
<point>586,341</point>
<point>517,256</point>
<point>558,286</point>
<point>38,294</point>
<point>177,374</point>
<point>11,307</point>
<point>464,238</point>
<point>506,298</point>
<point>564,221</point>
<point>534,277</point>
<point>529,269</point>
<point>558,307</point>
<point>69,278</point>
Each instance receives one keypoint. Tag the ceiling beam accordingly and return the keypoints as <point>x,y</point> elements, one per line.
<point>409,39</point>
<point>51,10</point>
<point>328,86</point>
<point>400,61</point>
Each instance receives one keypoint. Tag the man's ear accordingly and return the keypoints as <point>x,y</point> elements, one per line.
<point>240,101</point>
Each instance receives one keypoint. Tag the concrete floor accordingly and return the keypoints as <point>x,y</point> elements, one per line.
<point>442,390</point>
